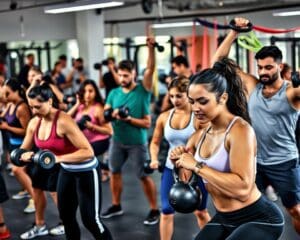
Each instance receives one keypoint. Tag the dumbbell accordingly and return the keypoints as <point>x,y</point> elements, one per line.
<point>123,113</point>
<point>159,47</point>
<point>295,79</point>
<point>149,170</point>
<point>69,99</point>
<point>81,123</point>
<point>43,158</point>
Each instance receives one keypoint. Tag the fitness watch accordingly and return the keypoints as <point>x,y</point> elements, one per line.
<point>198,166</point>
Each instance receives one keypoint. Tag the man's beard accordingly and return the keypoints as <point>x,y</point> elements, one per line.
<point>271,79</point>
<point>127,85</point>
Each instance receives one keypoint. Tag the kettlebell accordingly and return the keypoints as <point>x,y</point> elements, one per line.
<point>185,197</point>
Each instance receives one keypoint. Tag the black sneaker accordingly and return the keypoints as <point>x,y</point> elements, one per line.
<point>114,210</point>
<point>152,218</point>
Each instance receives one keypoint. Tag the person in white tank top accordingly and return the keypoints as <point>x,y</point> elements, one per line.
<point>176,126</point>
<point>224,155</point>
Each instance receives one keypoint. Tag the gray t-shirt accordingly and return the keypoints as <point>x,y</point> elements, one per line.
<point>274,121</point>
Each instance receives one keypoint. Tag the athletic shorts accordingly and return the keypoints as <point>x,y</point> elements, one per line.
<point>285,179</point>
<point>119,153</point>
<point>45,179</point>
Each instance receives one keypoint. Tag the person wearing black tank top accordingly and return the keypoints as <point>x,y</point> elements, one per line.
<point>225,160</point>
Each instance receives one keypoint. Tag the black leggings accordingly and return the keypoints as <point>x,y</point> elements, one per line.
<point>260,221</point>
<point>99,148</point>
<point>83,189</point>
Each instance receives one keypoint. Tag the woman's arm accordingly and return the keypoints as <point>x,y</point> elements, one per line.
<point>23,114</point>
<point>156,139</point>
<point>242,151</point>
<point>102,126</point>
<point>72,111</point>
<point>28,141</point>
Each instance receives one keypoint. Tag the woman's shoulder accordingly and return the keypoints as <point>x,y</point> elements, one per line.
<point>165,115</point>
<point>241,127</point>
<point>23,107</point>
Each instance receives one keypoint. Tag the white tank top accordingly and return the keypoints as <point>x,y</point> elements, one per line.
<point>219,160</point>
<point>177,137</point>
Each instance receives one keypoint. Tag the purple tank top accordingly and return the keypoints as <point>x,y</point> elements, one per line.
<point>219,160</point>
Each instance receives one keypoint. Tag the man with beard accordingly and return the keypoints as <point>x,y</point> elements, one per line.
<point>273,105</point>
<point>129,141</point>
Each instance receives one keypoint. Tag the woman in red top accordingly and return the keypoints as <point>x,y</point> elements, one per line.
<point>78,181</point>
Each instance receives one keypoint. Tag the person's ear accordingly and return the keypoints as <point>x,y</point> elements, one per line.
<point>223,98</point>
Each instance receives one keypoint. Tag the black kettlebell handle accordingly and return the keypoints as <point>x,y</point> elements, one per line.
<point>232,25</point>
<point>192,181</point>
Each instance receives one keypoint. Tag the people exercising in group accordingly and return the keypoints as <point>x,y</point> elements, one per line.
<point>176,126</point>
<point>273,107</point>
<point>78,182</point>
<point>225,160</point>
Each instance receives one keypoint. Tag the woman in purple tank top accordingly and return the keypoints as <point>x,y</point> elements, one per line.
<point>17,116</point>
<point>217,96</point>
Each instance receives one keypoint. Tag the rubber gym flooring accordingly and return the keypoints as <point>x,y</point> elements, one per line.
<point>125,227</point>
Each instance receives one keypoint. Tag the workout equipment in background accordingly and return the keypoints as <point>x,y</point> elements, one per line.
<point>43,158</point>
<point>149,170</point>
<point>248,41</point>
<point>185,197</point>
<point>295,79</point>
<point>69,99</point>
<point>123,112</point>
<point>82,122</point>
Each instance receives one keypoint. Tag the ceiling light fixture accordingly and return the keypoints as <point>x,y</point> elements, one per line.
<point>81,6</point>
<point>172,25</point>
<point>286,13</point>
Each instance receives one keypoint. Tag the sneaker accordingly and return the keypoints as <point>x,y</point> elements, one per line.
<point>35,231</point>
<point>21,195</point>
<point>57,230</point>
<point>30,207</point>
<point>5,235</point>
<point>152,218</point>
<point>114,210</point>
<point>271,194</point>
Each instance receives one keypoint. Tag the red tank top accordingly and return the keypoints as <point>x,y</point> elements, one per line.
<point>56,144</point>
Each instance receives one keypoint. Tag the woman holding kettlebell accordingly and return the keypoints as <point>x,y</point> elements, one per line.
<point>224,155</point>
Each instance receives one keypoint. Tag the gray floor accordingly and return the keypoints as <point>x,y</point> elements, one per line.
<point>129,226</point>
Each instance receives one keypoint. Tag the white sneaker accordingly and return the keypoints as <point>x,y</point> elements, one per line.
<point>57,230</point>
<point>21,195</point>
<point>35,231</point>
<point>271,194</point>
<point>30,207</point>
